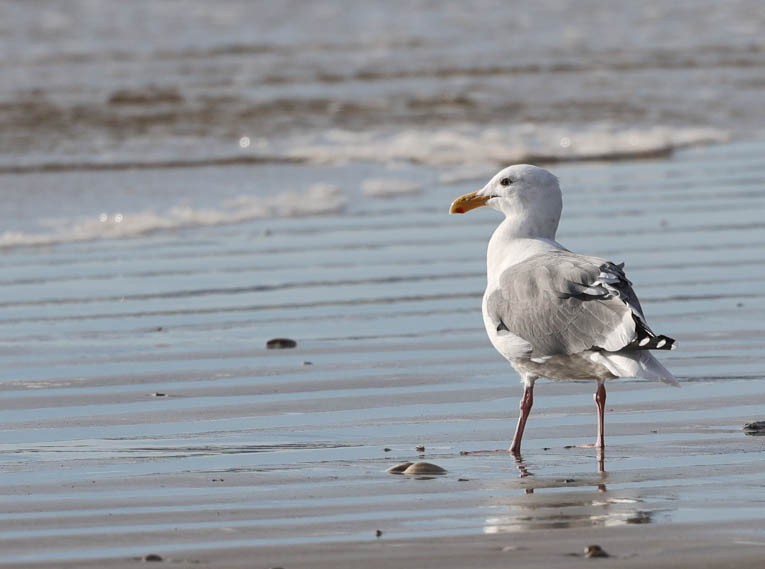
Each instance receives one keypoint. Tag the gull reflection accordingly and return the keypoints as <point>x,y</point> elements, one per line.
<point>565,502</point>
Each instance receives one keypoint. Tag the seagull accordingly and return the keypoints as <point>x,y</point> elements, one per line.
<point>553,313</point>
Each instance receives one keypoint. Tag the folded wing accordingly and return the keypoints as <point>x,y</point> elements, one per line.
<point>562,303</point>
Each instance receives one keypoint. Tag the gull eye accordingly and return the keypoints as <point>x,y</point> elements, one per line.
<point>505,182</point>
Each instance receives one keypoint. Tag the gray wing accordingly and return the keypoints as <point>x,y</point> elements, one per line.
<point>563,303</point>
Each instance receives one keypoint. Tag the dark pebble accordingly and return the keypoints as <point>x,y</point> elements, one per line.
<point>159,395</point>
<point>420,448</point>
<point>378,533</point>
<point>594,551</point>
<point>755,428</point>
<point>152,557</point>
<point>386,449</point>
<point>281,344</point>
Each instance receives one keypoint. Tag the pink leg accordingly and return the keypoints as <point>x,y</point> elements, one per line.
<point>527,401</point>
<point>600,401</point>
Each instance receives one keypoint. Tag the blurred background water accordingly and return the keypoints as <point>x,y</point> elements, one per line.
<point>423,90</point>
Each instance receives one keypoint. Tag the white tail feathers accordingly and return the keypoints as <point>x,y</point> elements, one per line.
<point>637,363</point>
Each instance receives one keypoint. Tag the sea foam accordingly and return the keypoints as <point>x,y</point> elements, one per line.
<point>317,199</point>
<point>497,145</point>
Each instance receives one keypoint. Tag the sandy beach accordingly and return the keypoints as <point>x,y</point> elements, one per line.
<point>179,193</point>
<point>155,421</point>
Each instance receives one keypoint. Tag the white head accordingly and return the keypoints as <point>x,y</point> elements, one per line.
<point>529,197</point>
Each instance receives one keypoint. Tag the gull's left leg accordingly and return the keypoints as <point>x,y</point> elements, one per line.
<point>600,401</point>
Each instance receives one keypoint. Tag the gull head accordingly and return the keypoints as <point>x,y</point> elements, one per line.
<point>529,196</point>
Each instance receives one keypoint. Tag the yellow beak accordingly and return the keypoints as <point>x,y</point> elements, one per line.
<point>464,204</point>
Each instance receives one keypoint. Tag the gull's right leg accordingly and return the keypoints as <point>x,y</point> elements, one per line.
<point>527,402</point>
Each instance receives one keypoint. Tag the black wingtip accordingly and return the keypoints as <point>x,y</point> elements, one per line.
<point>659,342</point>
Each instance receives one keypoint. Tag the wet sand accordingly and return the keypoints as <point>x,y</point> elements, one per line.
<point>685,547</point>
<point>142,414</point>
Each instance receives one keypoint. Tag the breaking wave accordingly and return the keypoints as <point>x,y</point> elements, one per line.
<point>316,200</point>
<point>499,146</point>
<point>445,146</point>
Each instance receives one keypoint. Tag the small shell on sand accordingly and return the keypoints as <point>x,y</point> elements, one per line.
<point>281,344</point>
<point>595,551</point>
<point>399,468</point>
<point>416,468</point>
<point>424,468</point>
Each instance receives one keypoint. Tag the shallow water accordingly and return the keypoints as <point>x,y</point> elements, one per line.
<point>180,188</point>
<point>250,446</point>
